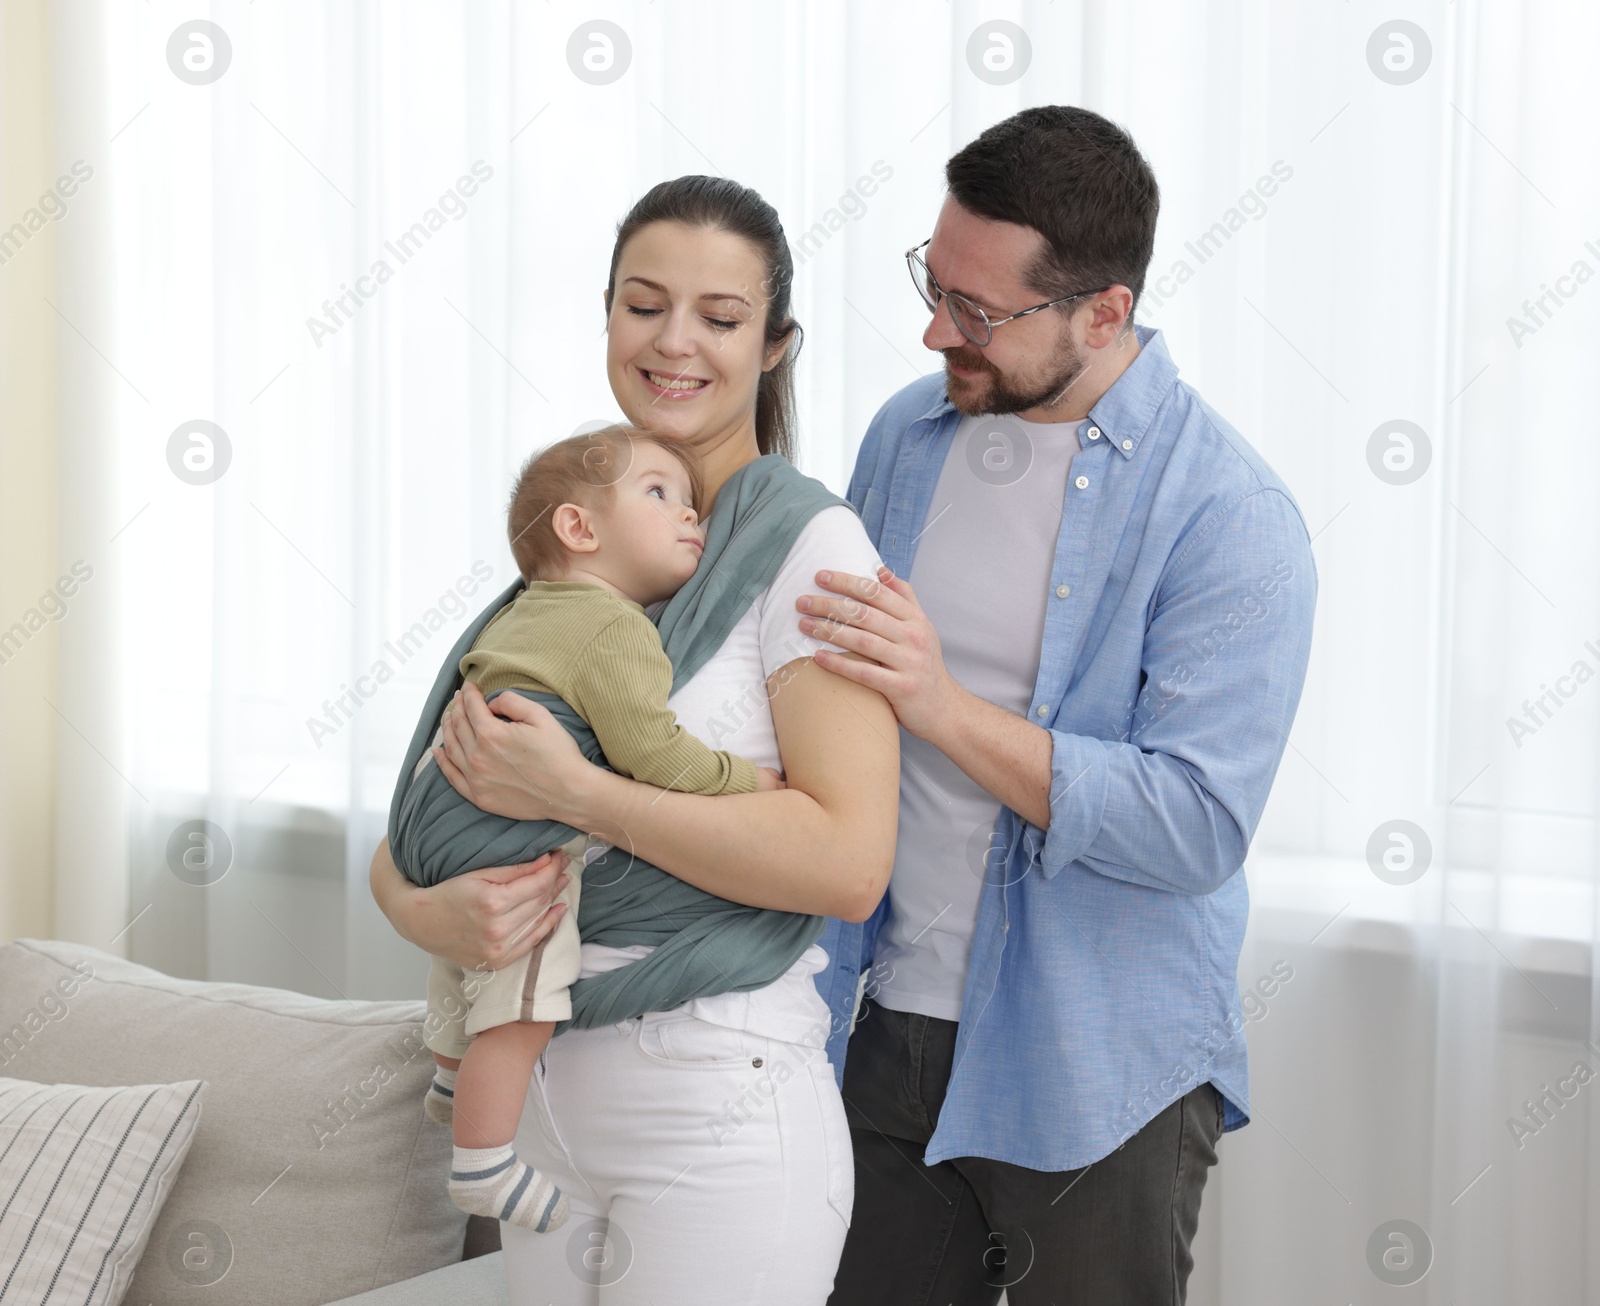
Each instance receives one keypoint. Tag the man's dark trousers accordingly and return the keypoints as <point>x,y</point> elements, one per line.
<point>1114,1233</point>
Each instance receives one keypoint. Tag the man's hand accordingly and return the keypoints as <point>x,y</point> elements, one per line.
<point>880,618</point>
<point>1008,755</point>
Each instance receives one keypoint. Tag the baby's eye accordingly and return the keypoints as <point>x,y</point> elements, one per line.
<point>656,490</point>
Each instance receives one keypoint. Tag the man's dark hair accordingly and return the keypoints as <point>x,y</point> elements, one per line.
<point>1079,181</point>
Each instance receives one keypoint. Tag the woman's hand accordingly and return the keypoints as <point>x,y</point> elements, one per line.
<point>526,767</point>
<point>484,919</point>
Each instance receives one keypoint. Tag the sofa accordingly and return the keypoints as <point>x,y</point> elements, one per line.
<point>313,1177</point>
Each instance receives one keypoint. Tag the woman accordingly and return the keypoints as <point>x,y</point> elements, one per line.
<point>704,1149</point>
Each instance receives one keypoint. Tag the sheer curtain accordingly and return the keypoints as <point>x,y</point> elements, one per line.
<point>322,301</point>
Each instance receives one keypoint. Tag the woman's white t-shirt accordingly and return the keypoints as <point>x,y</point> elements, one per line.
<point>724,704</point>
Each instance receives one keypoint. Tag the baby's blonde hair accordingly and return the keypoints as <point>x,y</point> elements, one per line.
<point>582,469</point>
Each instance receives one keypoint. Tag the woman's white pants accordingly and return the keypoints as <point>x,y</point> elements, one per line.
<point>705,1165</point>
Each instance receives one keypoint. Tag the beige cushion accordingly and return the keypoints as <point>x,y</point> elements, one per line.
<point>83,1173</point>
<point>313,1175</point>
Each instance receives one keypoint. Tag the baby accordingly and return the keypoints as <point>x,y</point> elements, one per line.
<point>601,525</point>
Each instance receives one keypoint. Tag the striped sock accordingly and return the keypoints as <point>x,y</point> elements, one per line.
<point>494,1181</point>
<point>440,1103</point>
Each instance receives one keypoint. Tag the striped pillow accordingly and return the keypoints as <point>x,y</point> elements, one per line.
<point>83,1174</point>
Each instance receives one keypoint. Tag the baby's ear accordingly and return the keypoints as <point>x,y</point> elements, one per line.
<point>573,525</point>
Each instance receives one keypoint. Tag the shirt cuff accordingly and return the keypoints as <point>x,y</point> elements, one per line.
<point>742,777</point>
<point>1079,773</point>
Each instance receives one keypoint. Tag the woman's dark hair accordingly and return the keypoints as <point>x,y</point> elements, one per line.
<point>724,205</point>
<point>1079,181</point>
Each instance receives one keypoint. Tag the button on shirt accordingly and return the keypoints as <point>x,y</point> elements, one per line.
<point>1101,983</point>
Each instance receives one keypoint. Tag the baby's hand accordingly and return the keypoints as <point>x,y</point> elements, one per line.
<point>767,780</point>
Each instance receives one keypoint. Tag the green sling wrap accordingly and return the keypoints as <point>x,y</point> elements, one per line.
<point>702,944</point>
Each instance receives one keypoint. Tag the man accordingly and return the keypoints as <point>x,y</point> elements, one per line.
<point>1094,635</point>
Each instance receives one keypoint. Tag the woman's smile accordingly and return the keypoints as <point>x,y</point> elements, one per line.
<point>669,385</point>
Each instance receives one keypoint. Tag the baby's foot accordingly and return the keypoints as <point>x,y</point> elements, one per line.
<point>494,1181</point>
<point>440,1103</point>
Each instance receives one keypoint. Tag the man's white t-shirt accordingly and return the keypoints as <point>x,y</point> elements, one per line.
<point>982,573</point>
<point>724,705</point>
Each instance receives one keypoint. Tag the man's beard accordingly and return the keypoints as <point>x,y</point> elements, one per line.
<point>1012,394</point>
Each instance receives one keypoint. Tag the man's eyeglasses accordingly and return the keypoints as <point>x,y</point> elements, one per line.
<point>976,325</point>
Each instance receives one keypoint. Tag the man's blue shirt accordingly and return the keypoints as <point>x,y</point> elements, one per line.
<point>1102,984</point>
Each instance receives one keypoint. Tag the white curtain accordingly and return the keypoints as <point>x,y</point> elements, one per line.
<point>1375,259</point>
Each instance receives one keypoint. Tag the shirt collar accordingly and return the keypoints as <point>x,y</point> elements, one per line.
<point>1127,410</point>
<point>1124,413</point>
<point>941,406</point>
